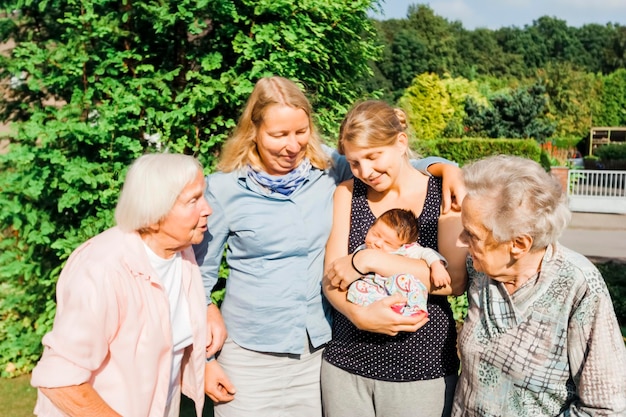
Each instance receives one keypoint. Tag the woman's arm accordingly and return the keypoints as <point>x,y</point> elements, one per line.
<point>452,185</point>
<point>377,317</point>
<point>337,245</point>
<point>448,230</point>
<point>216,330</point>
<point>79,401</point>
<point>341,272</point>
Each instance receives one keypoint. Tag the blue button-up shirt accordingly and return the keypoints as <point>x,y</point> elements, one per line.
<point>275,252</point>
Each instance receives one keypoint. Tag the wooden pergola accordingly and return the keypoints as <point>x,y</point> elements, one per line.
<point>602,135</point>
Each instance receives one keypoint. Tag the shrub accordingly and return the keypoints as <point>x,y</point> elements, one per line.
<point>591,162</point>
<point>611,152</point>
<point>614,273</point>
<point>94,84</point>
<point>469,149</point>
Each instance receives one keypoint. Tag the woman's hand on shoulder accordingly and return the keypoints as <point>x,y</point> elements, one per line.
<point>452,186</point>
<point>379,317</point>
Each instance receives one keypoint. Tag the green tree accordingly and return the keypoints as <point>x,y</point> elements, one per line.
<point>573,98</point>
<point>557,38</point>
<point>93,84</point>
<point>596,43</point>
<point>427,105</point>
<point>405,59</point>
<point>423,42</point>
<point>525,44</point>
<point>481,55</point>
<point>612,111</point>
<point>519,114</point>
<point>459,89</point>
<point>439,37</point>
<point>435,106</point>
<point>617,56</point>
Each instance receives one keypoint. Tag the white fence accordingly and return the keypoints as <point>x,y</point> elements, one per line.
<point>597,191</point>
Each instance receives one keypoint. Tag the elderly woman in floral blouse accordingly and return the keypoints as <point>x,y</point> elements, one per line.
<point>541,337</point>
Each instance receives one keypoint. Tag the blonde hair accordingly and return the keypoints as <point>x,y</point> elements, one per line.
<point>152,185</point>
<point>241,148</point>
<point>372,123</point>
<point>519,197</point>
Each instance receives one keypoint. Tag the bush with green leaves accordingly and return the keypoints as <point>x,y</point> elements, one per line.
<point>427,106</point>
<point>611,156</point>
<point>519,113</point>
<point>459,305</point>
<point>435,107</point>
<point>613,272</point>
<point>91,85</point>
<point>613,99</point>
<point>611,152</point>
<point>465,150</point>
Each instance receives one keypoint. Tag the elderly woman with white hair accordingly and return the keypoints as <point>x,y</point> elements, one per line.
<point>130,324</point>
<point>541,337</point>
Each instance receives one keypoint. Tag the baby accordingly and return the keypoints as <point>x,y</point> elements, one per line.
<point>397,231</point>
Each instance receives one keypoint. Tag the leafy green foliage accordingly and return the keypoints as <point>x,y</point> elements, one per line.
<point>595,43</point>
<point>522,113</point>
<point>422,43</point>
<point>90,86</point>
<point>435,106</point>
<point>427,105</point>
<point>402,72</point>
<point>459,89</point>
<point>459,305</point>
<point>482,54</point>
<point>465,150</point>
<point>613,274</point>
<point>611,151</point>
<point>569,60</point>
<point>573,98</point>
<point>612,109</point>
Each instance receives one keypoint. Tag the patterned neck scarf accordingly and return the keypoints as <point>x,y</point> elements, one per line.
<point>283,184</point>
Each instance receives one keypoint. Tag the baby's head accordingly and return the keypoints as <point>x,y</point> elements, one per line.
<point>392,229</point>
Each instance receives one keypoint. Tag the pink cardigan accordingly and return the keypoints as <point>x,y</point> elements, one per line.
<point>112,329</point>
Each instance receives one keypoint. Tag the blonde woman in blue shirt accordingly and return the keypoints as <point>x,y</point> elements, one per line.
<point>272,209</point>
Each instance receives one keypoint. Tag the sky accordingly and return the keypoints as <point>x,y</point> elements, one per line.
<point>493,14</point>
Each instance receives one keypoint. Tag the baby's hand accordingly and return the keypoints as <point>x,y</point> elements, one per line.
<point>439,275</point>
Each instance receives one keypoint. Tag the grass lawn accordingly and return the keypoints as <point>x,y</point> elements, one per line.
<point>17,397</point>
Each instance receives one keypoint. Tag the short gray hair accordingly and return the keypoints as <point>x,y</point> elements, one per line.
<point>520,197</point>
<point>152,185</point>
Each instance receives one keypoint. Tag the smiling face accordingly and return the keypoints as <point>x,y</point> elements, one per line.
<point>384,237</point>
<point>186,222</point>
<point>377,167</point>
<point>488,255</point>
<point>282,138</point>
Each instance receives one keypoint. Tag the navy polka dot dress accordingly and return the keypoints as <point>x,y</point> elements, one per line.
<point>428,353</point>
